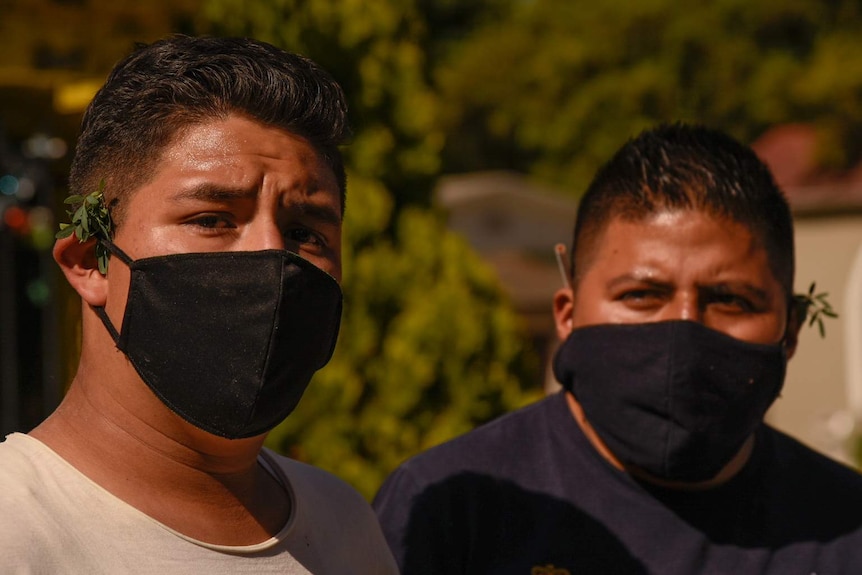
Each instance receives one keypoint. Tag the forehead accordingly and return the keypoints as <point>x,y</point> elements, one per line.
<point>229,141</point>
<point>242,154</point>
<point>679,242</point>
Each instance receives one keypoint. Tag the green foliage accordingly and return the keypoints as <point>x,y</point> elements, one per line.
<point>557,87</point>
<point>427,350</point>
<point>554,87</point>
<point>814,307</point>
<point>382,53</point>
<point>90,219</point>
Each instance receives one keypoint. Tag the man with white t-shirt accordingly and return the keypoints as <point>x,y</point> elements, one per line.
<point>208,194</point>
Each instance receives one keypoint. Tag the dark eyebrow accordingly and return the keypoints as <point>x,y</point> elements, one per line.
<point>641,279</point>
<point>739,287</point>
<point>211,192</point>
<point>321,212</point>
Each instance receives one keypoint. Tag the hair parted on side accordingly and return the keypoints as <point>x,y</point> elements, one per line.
<point>687,167</point>
<point>164,87</point>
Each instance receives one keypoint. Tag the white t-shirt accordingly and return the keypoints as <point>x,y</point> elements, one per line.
<point>53,519</point>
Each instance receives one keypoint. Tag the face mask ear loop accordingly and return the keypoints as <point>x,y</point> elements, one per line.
<point>100,310</point>
<point>115,250</point>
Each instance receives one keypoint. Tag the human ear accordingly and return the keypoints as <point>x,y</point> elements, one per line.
<point>795,319</point>
<point>78,262</point>
<point>563,307</point>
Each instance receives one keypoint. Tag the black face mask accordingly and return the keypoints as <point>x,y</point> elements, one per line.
<point>675,399</point>
<point>228,340</point>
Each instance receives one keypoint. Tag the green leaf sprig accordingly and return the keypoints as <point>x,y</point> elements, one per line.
<point>814,307</point>
<point>90,219</point>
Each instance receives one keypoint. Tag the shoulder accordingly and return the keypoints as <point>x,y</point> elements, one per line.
<point>18,451</point>
<point>312,483</point>
<point>811,497</point>
<point>477,465</point>
<point>437,501</point>
<point>327,509</point>
<point>494,446</point>
<point>806,469</point>
<point>21,474</point>
<point>28,520</point>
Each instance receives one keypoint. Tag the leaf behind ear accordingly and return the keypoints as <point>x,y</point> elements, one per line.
<point>66,230</point>
<point>102,256</point>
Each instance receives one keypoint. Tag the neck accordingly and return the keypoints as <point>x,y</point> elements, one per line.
<point>117,433</point>
<point>733,467</point>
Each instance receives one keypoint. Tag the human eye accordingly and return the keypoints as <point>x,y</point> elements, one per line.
<point>640,297</point>
<point>732,302</point>
<point>211,222</point>
<point>731,299</point>
<point>636,294</point>
<point>306,237</point>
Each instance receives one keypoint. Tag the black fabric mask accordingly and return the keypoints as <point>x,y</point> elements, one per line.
<point>228,340</point>
<point>675,399</point>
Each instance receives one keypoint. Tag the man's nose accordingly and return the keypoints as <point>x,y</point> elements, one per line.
<point>684,307</point>
<point>264,235</point>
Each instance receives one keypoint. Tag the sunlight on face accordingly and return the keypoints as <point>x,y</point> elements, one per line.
<point>683,265</point>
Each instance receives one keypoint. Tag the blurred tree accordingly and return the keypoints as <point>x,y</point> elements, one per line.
<point>428,347</point>
<point>383,54</point>
<point>558,85</point>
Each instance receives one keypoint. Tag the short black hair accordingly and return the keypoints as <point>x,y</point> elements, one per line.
<point>687,167</point>
<point>164,87</point>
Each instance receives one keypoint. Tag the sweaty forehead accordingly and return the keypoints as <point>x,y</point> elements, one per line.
<point>593,234</point>
<point>232,153</point>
